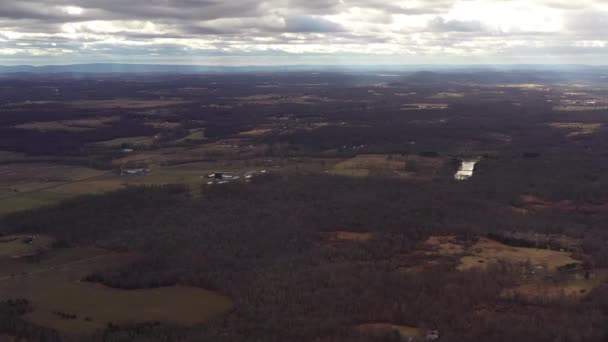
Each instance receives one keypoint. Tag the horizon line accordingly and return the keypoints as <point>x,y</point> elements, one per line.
<point>307,65</point>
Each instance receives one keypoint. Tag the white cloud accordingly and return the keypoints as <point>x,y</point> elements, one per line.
<point>432,30</point>
<point>73,10</point>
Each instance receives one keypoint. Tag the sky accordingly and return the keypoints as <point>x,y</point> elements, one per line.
<point>287,32</point>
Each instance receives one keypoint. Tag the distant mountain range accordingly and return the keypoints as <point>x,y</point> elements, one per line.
<point>186,69</point>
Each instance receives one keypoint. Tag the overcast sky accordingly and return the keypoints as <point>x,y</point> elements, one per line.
<point>272,32</point>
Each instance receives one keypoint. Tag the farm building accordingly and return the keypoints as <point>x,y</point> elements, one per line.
<point>217,175</point>
<point>134,172</point>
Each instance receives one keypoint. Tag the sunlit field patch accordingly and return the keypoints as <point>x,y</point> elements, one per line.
<point>194,135</point>
<point>424,106</point>
<point>16,246</point>
<point>447,95</point>
<point>349,236</point>
<point>445,245</point>
<point>76,125</point>
<point>404,332</point>
<point>25,201</point>
<point>52,126</point>
<point>388,166</point>
<point>125,103</point>
<point>486,252</point>
<point>579,108</point>
<point>136,141</point>
<point>256,132</point>
<point>576,128</point>
<point>568,285</point>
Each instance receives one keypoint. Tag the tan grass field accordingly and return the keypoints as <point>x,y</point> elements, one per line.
<point>25,189</point>
<point>384,329</point>
<point>366,164</point>
<point>486,252</point>
<point>256,132</point>
<point>163,124</point>
<point>579,108</point>
<point>447,95</point>
<point>274,99</point>
<point>55,287</point>
<point>80,125</point>
<point>385,165</point>
<point>535,202</point>
<point>96,306</point>
<point>14,246</point>
<point>52,126</point>
<point>110,104</point>
<point>521,211</point>
<point>94,122</point>
<point>140,140</point>
<point>125,103</point>
<point>445,245</point>
<point>90,187</point>
<point>424,106</point>
<point>27,186</point>
<point>571,287</point>
<point>576,128</point>
<point>349,236</point>
<point>195,135</point>
<point>29,201</point>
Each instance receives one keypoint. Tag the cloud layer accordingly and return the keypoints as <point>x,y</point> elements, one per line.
<point>239,32</point>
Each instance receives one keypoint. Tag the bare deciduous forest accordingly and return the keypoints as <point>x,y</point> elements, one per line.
<point>304,207</point>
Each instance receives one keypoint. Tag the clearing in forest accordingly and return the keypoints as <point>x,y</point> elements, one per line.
<point>424,106</point>
<point>256,132</point>
<point>579,108</point>
<point>16,246</point>
<point>348,236</point>
<point>135,141</point>
<point>62,301</point>
<point>77,125</point>
<point>386,329</point>
<point>386,165</point>
<point>366,164</point>
<point>573,285</point>
<point>445,245</point>
<point>576,128</point>
<point>486,252</point>
<point>124,103</point>
<point>196,134</point>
